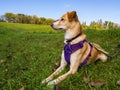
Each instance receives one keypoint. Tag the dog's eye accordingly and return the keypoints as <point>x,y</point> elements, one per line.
<point>62,19</point>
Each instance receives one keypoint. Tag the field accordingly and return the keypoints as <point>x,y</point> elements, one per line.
<point>28,51</point>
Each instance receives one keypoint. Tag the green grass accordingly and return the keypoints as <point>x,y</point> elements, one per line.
<point>27,52</point>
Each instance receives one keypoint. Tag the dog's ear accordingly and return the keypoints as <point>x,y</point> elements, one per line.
<point>72,16</point>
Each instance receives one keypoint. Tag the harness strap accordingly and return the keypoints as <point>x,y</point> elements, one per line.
<point>77,46</point>
<point>87,58</point>
<point>69,49</point>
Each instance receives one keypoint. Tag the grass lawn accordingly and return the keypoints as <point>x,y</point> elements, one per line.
<point>28,51</point>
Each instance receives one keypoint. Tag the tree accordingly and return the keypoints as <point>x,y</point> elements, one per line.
<point>92,25</point>
<point>20,18</point>
<point>28,19</point>
<point>42,20</point>
<point>2,18</point>
<point>10,17</point>
<point>84,26</point>
<point>105,24</point>
<point>49,21</point>
<point>110,25</point>
<point>99,24</point>
<point>35,20</point>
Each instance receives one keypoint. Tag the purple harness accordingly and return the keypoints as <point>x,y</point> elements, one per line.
<point>69,49</point>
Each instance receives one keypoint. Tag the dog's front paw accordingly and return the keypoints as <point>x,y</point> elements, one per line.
<point>46,80</point>
<point>52,83</point>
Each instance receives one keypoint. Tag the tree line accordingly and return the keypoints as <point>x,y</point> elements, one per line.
<point>27,19</point>
<point>101,25</point>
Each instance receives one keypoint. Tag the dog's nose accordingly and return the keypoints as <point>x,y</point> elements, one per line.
<point>51,25</point>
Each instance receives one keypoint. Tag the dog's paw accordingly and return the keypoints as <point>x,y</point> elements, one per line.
<point>46,80</point>
<point>52,83</point>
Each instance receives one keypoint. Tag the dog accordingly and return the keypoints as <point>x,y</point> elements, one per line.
<point>77,50</point>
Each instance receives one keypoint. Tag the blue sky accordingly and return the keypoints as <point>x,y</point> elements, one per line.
<point>87,10</point>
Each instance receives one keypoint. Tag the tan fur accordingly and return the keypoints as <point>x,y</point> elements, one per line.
<point>71,24</point>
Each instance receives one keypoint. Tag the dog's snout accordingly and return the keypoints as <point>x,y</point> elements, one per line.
<point>51,25</point>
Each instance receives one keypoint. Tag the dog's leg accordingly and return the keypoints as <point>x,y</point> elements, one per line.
<point>73,69</point>
<point>58,70</point>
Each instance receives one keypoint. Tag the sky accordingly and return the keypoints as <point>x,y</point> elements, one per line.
<point>87,10</point>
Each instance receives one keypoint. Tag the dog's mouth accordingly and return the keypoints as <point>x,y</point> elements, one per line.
<point>56,28</point>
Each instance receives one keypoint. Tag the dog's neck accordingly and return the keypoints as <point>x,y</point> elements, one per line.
<point>74,31</point>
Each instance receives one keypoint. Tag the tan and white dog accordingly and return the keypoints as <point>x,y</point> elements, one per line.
<point>74,34</point>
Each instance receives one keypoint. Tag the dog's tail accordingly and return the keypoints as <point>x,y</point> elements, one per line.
<point>106,53</point>
<point>99,48</point>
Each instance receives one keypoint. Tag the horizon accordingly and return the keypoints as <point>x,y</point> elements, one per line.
<point>87,11</point>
